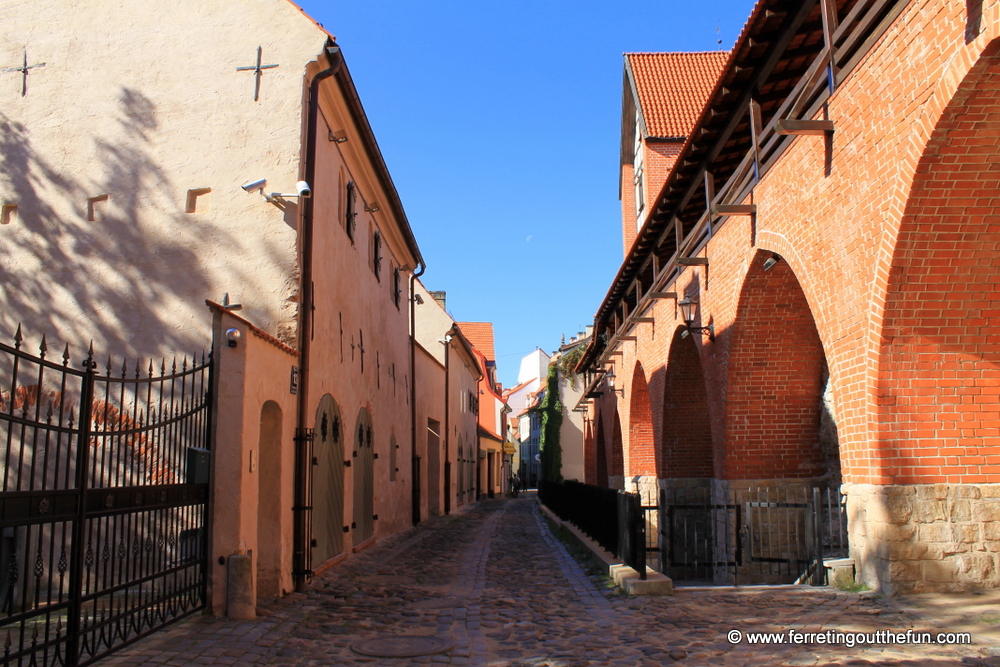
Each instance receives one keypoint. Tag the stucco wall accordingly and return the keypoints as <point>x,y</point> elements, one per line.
<point>144,121</point>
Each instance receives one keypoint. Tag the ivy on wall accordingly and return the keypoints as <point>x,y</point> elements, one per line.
<point>551,412</point>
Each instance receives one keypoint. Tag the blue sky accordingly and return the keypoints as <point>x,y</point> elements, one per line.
<point>500,124</point>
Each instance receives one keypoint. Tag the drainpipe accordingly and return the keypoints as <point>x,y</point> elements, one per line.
<point>303,437</point>
<point>414,459</point>
<point>447,424</point>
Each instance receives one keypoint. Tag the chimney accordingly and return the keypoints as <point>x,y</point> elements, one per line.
<point>590,330</point>
<point>439,297</point>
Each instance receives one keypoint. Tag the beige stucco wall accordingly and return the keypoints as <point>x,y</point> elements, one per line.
<point>572,429</point>
<point>142,102</point>
<point>246,381</point>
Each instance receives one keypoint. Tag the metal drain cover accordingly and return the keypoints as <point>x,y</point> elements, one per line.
<point>402,646</point>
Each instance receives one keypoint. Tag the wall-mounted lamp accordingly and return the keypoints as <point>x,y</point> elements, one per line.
<point>371,208</point>
<point>771,261</point>
<point>610,377</point>
<point>446,340</point>
<point>417,299</point>
<point>233,336</point>
<point>689,308</point>
<point>337,136</point>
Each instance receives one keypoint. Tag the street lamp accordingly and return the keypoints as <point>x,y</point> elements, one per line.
<point>610,377</point>
<point>689,309</point>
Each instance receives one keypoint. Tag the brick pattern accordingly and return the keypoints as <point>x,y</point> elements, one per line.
<point>687,430</point>
<point>642,449</point>
<point>939,383</point>
<point>775,381</point>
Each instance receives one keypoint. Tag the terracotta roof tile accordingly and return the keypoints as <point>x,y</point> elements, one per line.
<point>480,334</point>
<point>674,87</point>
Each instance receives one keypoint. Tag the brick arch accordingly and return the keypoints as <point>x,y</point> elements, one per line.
<point>616,453</point>
<point>777,370</point>
<point>687,429</point>
<point>600,455</point>
<point>938,383</point>
<point>641,445</point>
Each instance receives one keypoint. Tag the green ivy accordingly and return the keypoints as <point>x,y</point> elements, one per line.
<point>551,411</point>
<point>567,364</point>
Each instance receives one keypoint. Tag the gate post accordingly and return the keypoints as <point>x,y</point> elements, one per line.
<point>80,524</point>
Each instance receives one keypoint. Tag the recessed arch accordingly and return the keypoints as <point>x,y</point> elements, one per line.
<point>269,501</point>
<point>616,458</point>
<point>641,445</point>
<point>686,450</point>
<point>600,454</point>
<point>776,380</point>
<point>938,380</point>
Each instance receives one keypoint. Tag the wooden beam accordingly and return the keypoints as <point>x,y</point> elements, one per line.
<point>631,338</point>
<point>734,209</point>
<point>803,127</point>
<point>615,353</point>
<point>663,295</point>
<point>829,14</point>
<point>692,261</point>
<point>643,320</point>
<point>755,130</point>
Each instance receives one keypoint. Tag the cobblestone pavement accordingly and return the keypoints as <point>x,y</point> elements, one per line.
<point>499,584</point>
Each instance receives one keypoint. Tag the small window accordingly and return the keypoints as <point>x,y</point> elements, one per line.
<point>396,286</point>
<point>377,254</point>
<point>351,209</point>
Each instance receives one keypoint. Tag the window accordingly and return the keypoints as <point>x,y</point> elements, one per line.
<point>351,209</point>
<point>396,286</point>
<point>377,254</point>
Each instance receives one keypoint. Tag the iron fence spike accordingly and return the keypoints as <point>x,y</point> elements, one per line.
<point>151,367</point>
<point>173,367</point>
<point>137,371</point>
<point>163,367</point>
<point>43,347</point>
<point>124,367</point>
<point>17,341</point>
<point>66,355</point>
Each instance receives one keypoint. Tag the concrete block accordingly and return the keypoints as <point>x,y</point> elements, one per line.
<point>628,580</point>
<point>240,599</point>
<point>840,572</point>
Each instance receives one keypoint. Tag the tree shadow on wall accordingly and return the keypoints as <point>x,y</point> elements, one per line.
<point>128,280</point>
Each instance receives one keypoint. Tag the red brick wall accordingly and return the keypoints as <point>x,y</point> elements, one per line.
<point>775,380</point>
<point>939,381</point>
<point>904,216</point>
<point>642,450</point>
<point>687,429</point>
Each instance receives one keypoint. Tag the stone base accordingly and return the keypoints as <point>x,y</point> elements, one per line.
<point>840,572</point>
<point>628,580</point>
<point>925,537</point>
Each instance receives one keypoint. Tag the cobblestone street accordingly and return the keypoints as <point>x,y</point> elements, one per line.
<point>504,590</point>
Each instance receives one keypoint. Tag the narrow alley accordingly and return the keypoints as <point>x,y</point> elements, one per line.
<point>496,586</point>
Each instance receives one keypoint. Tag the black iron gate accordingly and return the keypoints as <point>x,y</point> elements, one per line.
<point>103,502</point>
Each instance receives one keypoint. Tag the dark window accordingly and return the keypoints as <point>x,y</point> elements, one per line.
<point>351,208</point>
<point>377,254</point>
<point>396,287</point>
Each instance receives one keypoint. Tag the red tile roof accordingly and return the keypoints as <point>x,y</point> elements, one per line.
<point>480,334</point>
<point>674,87</point>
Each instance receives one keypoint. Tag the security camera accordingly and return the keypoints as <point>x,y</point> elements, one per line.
<point>255,185</point>
<point>303,189</point>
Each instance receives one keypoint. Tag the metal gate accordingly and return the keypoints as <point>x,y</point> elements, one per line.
<point>103,501</point>
<point>760,535</point>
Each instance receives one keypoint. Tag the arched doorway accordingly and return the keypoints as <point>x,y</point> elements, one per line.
<point>269,505</point>
<point>364,479</point>
<point>328,482</point>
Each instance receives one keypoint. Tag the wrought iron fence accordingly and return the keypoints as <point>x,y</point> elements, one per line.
<point>592,509</point>
<point>103,499</point>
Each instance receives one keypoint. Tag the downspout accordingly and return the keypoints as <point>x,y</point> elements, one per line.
<point>414,459</point>
<point>300,563</point>
<point>447,424</point>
